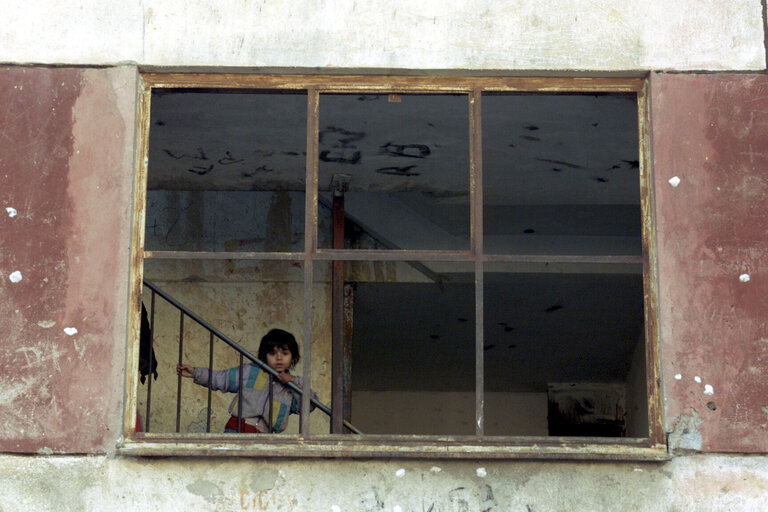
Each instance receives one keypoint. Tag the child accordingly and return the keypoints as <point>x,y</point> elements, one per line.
<point>281,352</point>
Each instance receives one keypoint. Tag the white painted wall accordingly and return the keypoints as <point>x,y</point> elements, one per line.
<point>521,35</point>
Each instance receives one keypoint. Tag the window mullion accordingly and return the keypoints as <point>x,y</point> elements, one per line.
<point>310,248</point>
<point>476,213</point>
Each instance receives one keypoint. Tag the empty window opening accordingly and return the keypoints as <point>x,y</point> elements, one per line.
<point>463,264</point>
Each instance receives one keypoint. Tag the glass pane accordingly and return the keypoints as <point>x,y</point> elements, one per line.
<point>226,171</point>
<point>561,174</point>
<point>402,163</point>
<point>560,342</point>
<point>413,348</point>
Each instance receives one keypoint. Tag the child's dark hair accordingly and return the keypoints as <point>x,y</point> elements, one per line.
<point>278,338</point>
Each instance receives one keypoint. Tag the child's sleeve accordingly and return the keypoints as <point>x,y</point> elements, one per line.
<point>221,380</point>
<point>296,400</point>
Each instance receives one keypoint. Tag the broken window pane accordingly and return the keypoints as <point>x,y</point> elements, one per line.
<point>413,349</point>
<point>402,164</point>
<point>544,329</point>
<point>226,171</point>
<point>561,174</point>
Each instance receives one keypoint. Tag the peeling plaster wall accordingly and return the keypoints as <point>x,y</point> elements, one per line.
<point>66,177</point>
<point>691,484</point>
<point>710,132</point>
<point>568,35</point>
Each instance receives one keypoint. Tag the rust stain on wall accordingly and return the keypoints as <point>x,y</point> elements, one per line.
<point>65,167</point>
<point>710,131</point>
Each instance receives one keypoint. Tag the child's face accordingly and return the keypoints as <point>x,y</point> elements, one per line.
<point>280,359</point>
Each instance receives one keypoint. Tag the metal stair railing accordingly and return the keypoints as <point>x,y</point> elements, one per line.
<point>215,333</point>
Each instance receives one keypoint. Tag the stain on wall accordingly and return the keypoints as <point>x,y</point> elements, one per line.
<point>66,169</point>
<point>710,131</point>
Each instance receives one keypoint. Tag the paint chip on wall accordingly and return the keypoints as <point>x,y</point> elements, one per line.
<point>11,211</point>
<point>400,473</point>
<point>708,390</point>
<point>674,181</point>
<point>15,276</point>
<point>744,278</point>
<point>678,376</point>
<point>697,379</point>
<point>70,331</point>
<point>481,472</point>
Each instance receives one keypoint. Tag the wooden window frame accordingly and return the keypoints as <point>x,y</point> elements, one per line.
<point>651,448</point>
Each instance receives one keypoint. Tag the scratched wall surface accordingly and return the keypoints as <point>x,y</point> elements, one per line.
<point>608,35</point>
<point>66,177</point>
<point>696,483</point>
<point>711,132</point>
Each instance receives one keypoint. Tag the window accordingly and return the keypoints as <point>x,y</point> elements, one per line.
<point>466,262</point>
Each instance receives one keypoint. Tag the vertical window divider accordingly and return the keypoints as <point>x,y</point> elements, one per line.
<point>476,235</point>
<point>310,249</point>
<point>655,406</point>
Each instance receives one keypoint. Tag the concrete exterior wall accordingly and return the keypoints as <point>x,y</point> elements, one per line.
<point>66,171</point>
<point>690,484</point>
<point>66,175</point>
<point>572,35</point>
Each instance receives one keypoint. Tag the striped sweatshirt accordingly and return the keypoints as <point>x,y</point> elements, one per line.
<point>255,385</point>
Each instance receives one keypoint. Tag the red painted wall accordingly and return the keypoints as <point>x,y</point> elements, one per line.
<point>711,131</point>
<point>66,168</point>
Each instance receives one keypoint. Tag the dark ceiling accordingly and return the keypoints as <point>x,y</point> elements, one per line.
<point>560,176</point>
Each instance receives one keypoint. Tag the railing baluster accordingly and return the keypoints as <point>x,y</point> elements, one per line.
<point>178,378</point>
<point>269,397</point>
<point>240,383</point>
<point>210,384</point>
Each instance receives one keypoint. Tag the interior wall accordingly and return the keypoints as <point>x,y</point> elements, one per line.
<point>637,393</point>
<point>446,413</point>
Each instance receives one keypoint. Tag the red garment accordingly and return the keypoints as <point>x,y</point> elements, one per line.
<point>245,428</point>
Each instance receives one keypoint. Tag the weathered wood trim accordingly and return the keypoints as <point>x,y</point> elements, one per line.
<point>651,448</point>
<point>650,273</point>
<point>425,447</point>
<point>137,259</point>
<point>391,84</point>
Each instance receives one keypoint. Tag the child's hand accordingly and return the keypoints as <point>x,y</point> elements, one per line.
<point>286,377</point>
<point>185,370</point>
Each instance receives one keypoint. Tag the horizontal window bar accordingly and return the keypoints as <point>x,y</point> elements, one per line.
<point>393,255</point>
<point>394,84</point>
<point>563,258</point>
<point>211,255</point>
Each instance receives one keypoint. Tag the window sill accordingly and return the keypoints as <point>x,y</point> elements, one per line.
<point>429,447</point>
